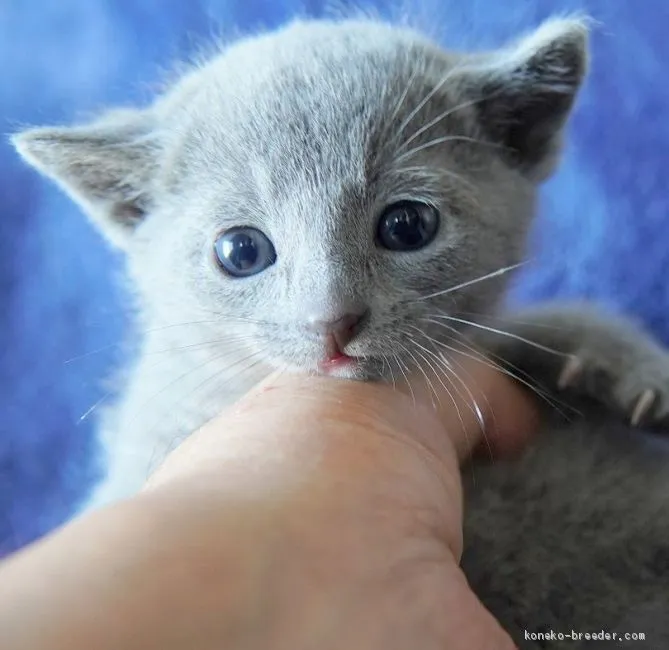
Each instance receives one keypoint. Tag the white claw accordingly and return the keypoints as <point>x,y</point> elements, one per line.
<point>643,404</point>
<point>571,369</point>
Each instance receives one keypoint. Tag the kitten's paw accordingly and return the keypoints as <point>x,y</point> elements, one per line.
<point>636,386</point>
<point>574,350</point>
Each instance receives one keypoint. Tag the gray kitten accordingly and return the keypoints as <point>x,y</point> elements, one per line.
<point>346,198</point>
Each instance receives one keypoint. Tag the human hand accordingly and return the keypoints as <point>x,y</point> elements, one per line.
<point>315,513</point>
<point>357,508</point>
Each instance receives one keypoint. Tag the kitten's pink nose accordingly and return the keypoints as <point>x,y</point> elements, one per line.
<point>343,328</point>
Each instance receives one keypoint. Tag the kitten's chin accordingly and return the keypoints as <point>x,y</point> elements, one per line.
<point>349,368</point>
<point>352,368</point>
<point>346,371</point>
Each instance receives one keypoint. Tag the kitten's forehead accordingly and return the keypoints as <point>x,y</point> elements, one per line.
<point>307,98</point>
<point>318,53</point>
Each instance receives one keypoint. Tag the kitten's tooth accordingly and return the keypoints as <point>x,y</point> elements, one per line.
<point>571,369</point>
<point>643,404</point>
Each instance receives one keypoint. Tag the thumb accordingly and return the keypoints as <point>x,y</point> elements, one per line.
<point>482,409</point>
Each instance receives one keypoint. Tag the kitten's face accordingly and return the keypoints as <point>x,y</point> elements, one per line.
<point>310,191</point>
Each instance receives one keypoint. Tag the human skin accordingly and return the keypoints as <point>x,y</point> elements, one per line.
<point>314,513</point>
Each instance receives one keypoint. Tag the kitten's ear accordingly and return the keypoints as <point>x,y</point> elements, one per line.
<point>107,167</point>
<point>526,92</point>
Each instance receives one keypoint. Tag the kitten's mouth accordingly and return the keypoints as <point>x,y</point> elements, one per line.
<point>335,359</point>
<point>339,361</point>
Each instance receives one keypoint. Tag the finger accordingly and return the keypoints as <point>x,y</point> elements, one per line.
<point>481,408</point>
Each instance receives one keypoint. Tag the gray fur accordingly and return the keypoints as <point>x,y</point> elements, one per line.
<point>307,134</point>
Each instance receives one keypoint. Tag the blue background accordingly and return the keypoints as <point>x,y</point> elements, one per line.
<point>603,231</point>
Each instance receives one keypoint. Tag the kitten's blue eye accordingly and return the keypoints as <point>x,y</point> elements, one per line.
<point>407,226</point>
<point>242,252</point>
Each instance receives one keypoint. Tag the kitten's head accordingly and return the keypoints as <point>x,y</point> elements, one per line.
<point>318,186</point>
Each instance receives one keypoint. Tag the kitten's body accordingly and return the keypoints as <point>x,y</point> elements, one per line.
<point>308,135</point>
<point>573,537</point>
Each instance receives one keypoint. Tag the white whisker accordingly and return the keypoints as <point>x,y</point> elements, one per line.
<point>404,369</point>
<point>153,330</point>
<point>109,394</point>
<point>426,99</point>
<point>433,355</point>
<point>386,362</point>
<point>95,406</point>
<point>443,140</point>
<point>230,338</point>
<point>528,381</point>
<point>487,276</point>
<point>553,403</point>
<point>427,379</point>
<point>490,355</point>
<point>443,116</point>
<point>437,175</point>
<point>436,374</point>
<point>510,335</point>
<point>501,318</point>
<point>450,395</point>
<point>217,387</point>
<point>474,407</point>
<point>400,101</point>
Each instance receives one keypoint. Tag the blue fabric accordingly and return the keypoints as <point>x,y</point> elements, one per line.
<point>603,233</point>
